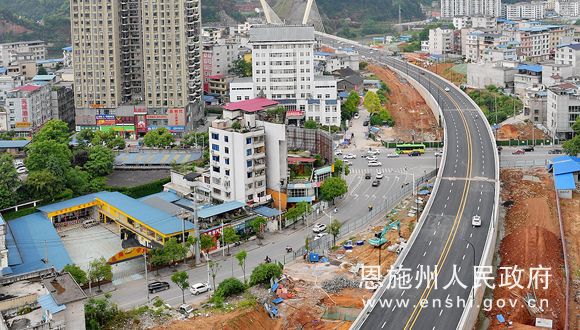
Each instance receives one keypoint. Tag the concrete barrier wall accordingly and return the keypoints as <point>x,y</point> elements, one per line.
<point>15,303</point>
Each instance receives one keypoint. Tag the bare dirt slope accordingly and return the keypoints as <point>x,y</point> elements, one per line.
<point>571,215</point>
<point>522,131</point>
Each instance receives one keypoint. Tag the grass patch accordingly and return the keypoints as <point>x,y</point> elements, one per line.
<point>17,214</point>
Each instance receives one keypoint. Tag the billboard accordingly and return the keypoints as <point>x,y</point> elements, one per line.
<point>105,120</point>
<point>24,107</point>
<point>139,110</point>
<point>157,117</point>
<point>176,117</point>
<point>141,123</point>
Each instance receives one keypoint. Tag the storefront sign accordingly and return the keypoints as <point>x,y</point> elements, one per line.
<point>140,110</point>
<point>24,107</point>
<point>22,124</point>
<point>125,120</point>
<point>161,117</point>
<point>105,120</point>
<point>127,254</point>
<point>176,117</point>
<point>141,123</point>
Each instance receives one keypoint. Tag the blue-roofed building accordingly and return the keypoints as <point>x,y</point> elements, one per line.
<point>528,76</point>
<point>566,171</point>
<point>13,146</point>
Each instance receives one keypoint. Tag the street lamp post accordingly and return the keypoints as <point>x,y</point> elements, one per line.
<point>146,276</point>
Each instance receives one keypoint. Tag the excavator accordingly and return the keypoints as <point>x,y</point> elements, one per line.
<point>381,238</point>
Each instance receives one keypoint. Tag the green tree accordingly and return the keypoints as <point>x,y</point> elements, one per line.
<point>78,181</point>
<point>372,102</point>
<point>214,268</point>
<point>181,279</point>
<point>264,272</point>
<point>118,143</point>
<point>100,161</point>
<point>258,225</point>
<point>100,313</point>
<point>158,258</point>
<point>174,250</point>
<point>85,136</point>
<point>338,167</point>
<point>159,137</point>
<point>333,187</point>
<point>572,146</point>
<point>77,273</point>
<point>195,139</point>
<point>230,236</point>
<point>293,214</point>
<point>362,66</point>
<point>236,125</point>
<point>8,181</point>
<point>53,130</point>
<point>48,155</point>
<point>43,185</point>
<point>334,230</point>
<point>383,117</point>
<point>241,68</point>
<point>41,71</point>
<point>350,106</point>
<point>241,257</point>
<point>229,287</point>
<point>100,270</point>
<point>206,242</point>
<point>310,124</point>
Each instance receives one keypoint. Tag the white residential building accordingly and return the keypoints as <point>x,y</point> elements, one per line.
<point>535,104</point>
<point>563,109</point>
<point>440,41</point>
<point>461,22</point>
<point>241,89</point>
<point>240,159</point>
<point>553,73</point>
<point>478,42</point>
<point>330,62</point>
<point>8,83</point>
<point>35,50</point>
<point>453,8</point>
<point>29,107</point>
<point>283,70</point>
<point>568,54</point>
<point>483,22</point>
<point>525,10</point>
<point>219,57</point>
<point>568,8</point>
<point>538,42</point>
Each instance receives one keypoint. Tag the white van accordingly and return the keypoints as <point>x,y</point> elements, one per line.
<point>90,223</point>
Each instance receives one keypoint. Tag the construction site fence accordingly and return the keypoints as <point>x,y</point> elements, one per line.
<point>428,144</point>
<point>350,226</point>
<point>524,163</point>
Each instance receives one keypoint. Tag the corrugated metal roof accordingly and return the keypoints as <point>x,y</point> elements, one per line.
<point>564,181</point>
<point>164,195</point>
<point>7,144</point>
<point>68,203</point>
<point>281,33</point>
<point>252,105</point>
<point>48,303</point>
<point>34,239</point>
<point>211,211</point>
<point>268,212</point>
<point>566,164</point>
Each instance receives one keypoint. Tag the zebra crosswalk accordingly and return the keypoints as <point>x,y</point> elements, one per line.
<point>384,170</point>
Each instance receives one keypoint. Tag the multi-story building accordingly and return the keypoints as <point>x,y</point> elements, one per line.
<point>453,8</point>
<point>477,42</point>
<point>528,76</point>
<point>567,8</point>
<point>283,70</point>
<point>563,109</point>
<point>8,83</point>
<point>219,57</point>
<point>29,107</point>
<point>9,52</point>
<point>330,62</point>
<point>137,57</point>
<point>525,10</point>
<point>568,54</point>
<point>441,41</point>
<point>63,103</point>
<point>218,85</point>
<point>244,151</point>
<point>538,42</point>
<point>461,22</point>
<point>535,105</point>
<point>483,22</point>
<point>554,73</point>
<point>480,75</point>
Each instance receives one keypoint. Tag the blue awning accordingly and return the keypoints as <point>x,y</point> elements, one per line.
<point>219,209</point>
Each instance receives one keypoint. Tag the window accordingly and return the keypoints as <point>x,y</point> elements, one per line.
<point>227,172</point>
<point>227,150</point>
<point>248,152</point>
<point>215,158</point>
<point>249,163</point>
<point>249,174</point>
<point>215,147</point>
<point>215,136</point>
<point>226,138</point>
<point>216,169</point>
<point>249,140</point>
<point>227,160</point>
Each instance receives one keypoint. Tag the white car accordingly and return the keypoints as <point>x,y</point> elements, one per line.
<point>393,155</point>
<point>21,170</point>
<point>349,156</point>
<point>380,175</point>
<point>476,221</point>
<point>373,152</point>
<point>18,164</point>
<point>438,154</point>
<point>447,89</point>
<point>338,153</point>
<point>371,158</point>
<point>199,288</point>
<point>356,116</point>
<point>319,227</point>
<point>374,163</point>
<point>319,236</point>
<point>347,162</point>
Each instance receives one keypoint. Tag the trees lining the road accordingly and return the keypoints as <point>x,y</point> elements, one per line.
<point>8,181</point>
<point>258,225</point>
<point>572,146</point>
<point>333,187</point>
<point>230,236</point>
<point>206,243</point>
<point>181,279</point>
<point>159,137</point>
<point>100,270</point>
<point>241,257</point>
<point>334,230</point>
<point>77,273</point>
<point>214,267</point>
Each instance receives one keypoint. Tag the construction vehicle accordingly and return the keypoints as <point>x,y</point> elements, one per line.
<point>381,238</point>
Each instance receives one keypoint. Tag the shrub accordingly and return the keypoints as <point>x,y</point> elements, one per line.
<point>264,272</point>
<point>230,287</point>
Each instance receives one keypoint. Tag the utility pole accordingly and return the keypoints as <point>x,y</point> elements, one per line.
<point>146,278</point>
<point>196,226</point>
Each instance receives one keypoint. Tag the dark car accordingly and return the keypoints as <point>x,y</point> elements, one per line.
<point>414,154</point>
<point>376,183</point>
<point>555,151</point>
<point>367,175</point>
<point>366,123</point>
<point>157,286</point>
<point>528,148</point>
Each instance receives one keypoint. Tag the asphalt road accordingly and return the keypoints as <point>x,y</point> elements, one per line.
<point>447,240</point>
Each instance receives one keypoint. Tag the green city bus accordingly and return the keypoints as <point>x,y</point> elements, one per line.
<point>407,148</point>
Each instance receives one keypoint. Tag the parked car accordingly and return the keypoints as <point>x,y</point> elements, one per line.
<point>555,151</point>
<point>186,309</point>
<point>376,183</point>
<point>374,163</point>
<point>21,170</point>
<point>338,153</point>
<point>319,236</point>
<point>380,175</point>
<point>368,176</point>
<point>393,155</point>
<point>356,116</point>
<point>157,286</point>
<point>349,156</point>
<point>373,152</point>
<point>199,288</point>
<point>18,163</point>
<point>528,148</point>
<point>319,228</point>
<point>366,123</point>
<point>518,152</point>
<point>372,158</point>
<point>476,221</point>
<point>414,154</point>
<point>438,154</point>
<point>347,162</point>
<point>90,223</point>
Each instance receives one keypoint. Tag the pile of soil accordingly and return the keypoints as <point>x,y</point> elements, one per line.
<point>520,131</point>
<point>253,318</point>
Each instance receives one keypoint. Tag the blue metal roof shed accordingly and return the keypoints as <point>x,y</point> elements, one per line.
<point>267,212</point>
<point>48,303</point>
<point>68,203</point>
<point>164,195</point>
<point>564,181</point>
<point>33,238</point>
<point>566,164</point>
<point>212,211</point>
<point>13,144</point>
